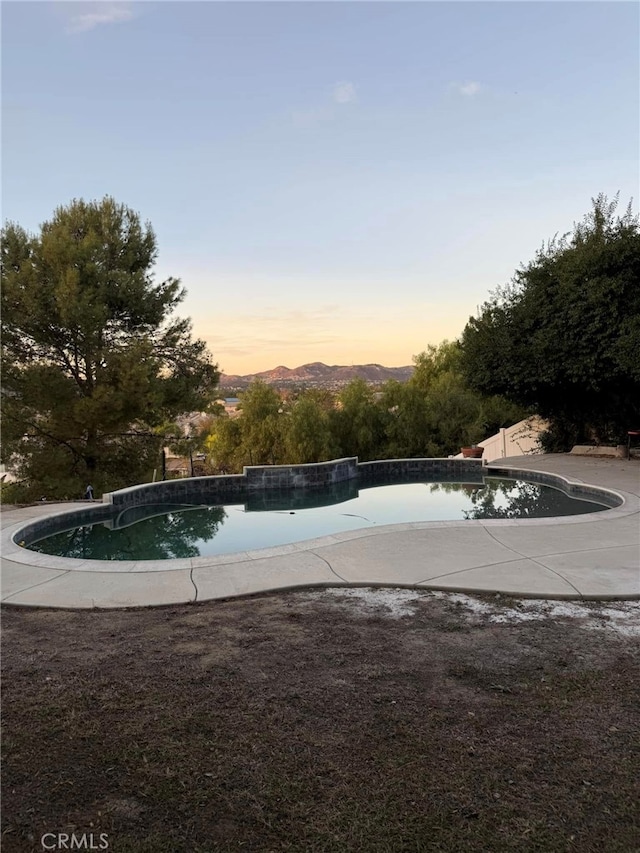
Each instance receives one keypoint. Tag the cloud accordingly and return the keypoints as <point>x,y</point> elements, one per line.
<point>94,15</point>
<point>344,93</point>
<point>468,89</point>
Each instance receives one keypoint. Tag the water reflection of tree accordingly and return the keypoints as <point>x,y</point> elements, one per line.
<point>165,537</point>
<point>517,499</point>
<point>450,488</point>
<point>520,500</point>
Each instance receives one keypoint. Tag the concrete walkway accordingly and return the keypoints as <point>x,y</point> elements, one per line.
<point>586,556</point>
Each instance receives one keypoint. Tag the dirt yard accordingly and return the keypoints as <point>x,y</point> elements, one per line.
<point>372,721</point>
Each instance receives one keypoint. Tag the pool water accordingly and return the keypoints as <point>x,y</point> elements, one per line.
<point>197,531</point>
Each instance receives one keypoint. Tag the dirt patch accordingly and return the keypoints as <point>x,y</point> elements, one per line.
<point>333,720</point>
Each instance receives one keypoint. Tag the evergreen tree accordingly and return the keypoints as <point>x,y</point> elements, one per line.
<point>92,359</point>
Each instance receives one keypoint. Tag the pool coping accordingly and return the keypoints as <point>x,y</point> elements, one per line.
<point>600,559</point>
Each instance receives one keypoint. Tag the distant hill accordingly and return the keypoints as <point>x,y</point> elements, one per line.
<point>320,375</point>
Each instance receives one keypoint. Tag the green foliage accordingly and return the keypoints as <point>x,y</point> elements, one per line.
<point>260,425</point>
<point>454,414</point>
<point>497,412</point>
<point>223,445</point>
<point>307,434</point>
<point>564,338</point>
<point>14,493</point>
<point>407,429</point>
<point>358,424</point>
<point>92,360</point>
<point>434,414</point>
<point>435,361</point>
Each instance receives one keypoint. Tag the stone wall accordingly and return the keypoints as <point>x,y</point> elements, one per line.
<point>268,477</point>
<point>186,490</point>
<point>262,479</point>
<point>385,471</point>
<point>50,524</point>
<point>235,488</point>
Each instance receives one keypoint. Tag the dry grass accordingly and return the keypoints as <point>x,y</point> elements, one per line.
<point>324,721</point>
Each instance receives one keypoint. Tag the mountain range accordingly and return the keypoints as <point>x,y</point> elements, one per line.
<point>320,375</point>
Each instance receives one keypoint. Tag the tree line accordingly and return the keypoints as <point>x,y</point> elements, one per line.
<point>96,367</point>
<point>433,414</point>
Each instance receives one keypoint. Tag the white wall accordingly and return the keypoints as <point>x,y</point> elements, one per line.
<point>516,440</point>
<point>6,476</point>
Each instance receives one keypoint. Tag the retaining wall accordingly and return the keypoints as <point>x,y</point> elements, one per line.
<point>269,480</point>
<point>390,469</point>
<point>186,490</point>
<point>266,477</point>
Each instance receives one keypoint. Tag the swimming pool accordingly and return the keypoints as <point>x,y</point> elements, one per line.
<point>164,532</point>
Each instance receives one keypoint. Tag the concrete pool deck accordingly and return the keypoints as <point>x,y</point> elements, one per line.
<point>592,556</point>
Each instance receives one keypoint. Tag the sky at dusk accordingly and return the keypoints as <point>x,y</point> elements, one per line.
<point>332,181</point>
